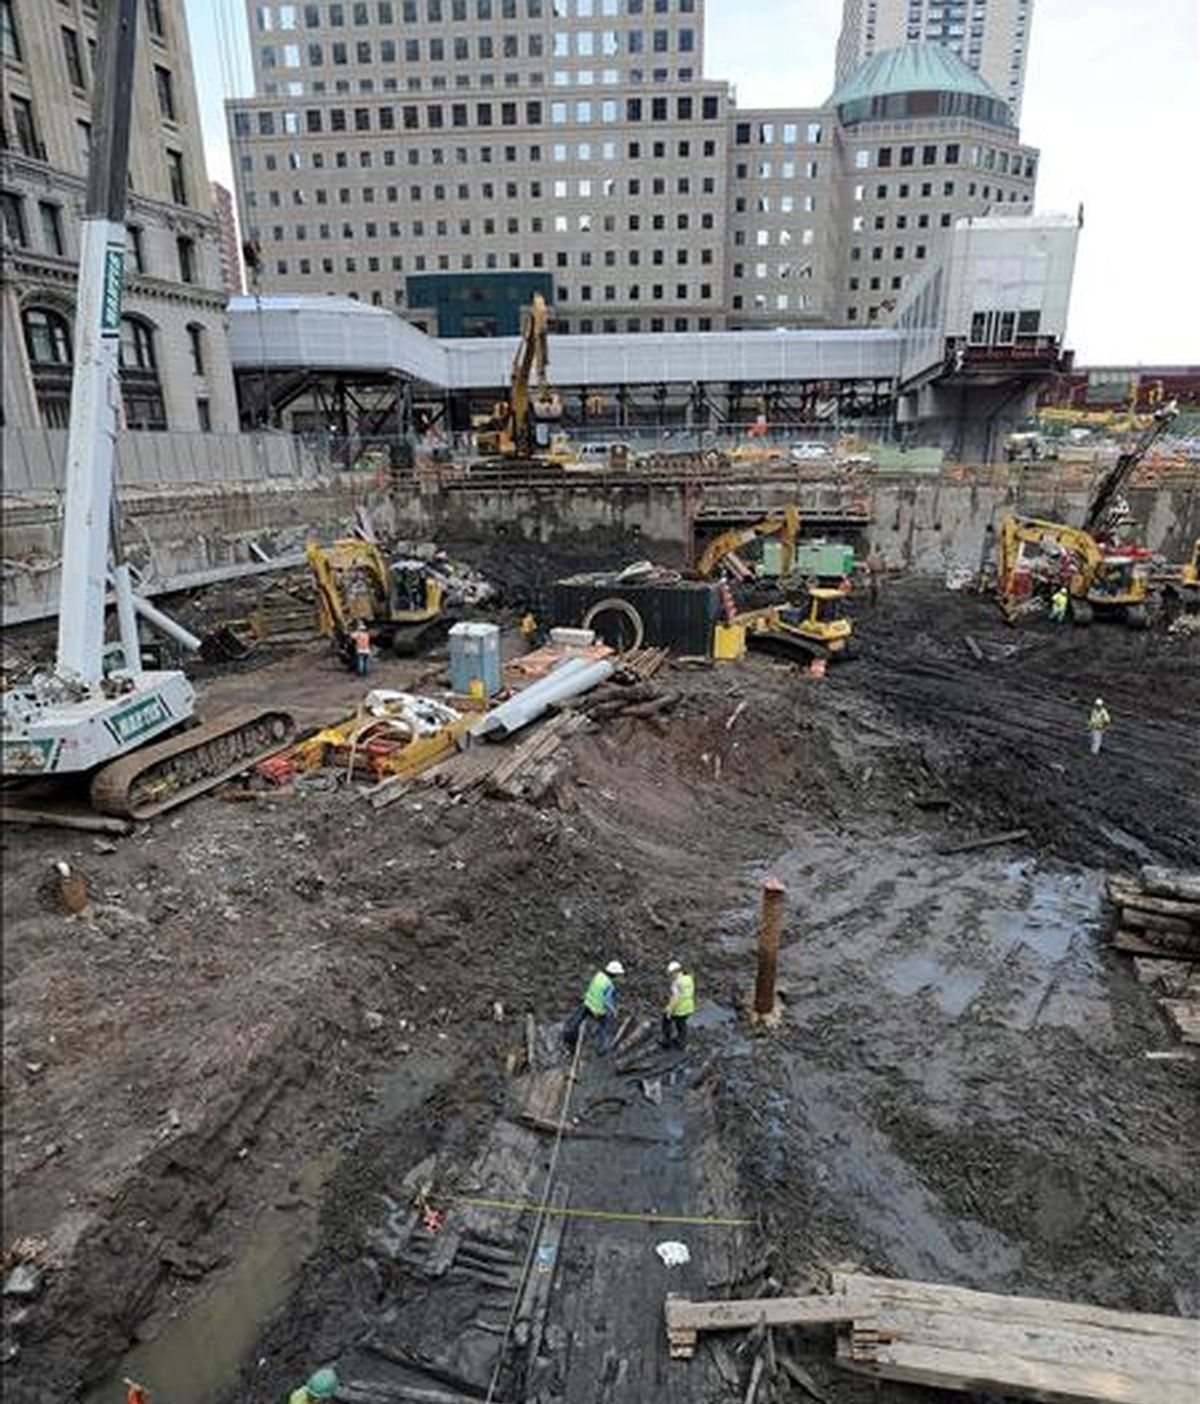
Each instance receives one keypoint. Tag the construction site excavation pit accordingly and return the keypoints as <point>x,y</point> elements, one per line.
<point>290,1090</point>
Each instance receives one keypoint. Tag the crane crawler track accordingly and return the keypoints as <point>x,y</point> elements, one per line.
<point>156,778</point>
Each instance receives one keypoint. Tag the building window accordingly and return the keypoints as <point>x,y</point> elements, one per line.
<point>48,347</point>
<point>73,58</point>
<point>26,129</point>
<point>10,39</point>
<point>154,18</point>
<point>204,416</point>
<point>12,211</point>
<point>52,235</point>
<point>165,89</point>
<point>176,177</point>
<point>140,387</point>
<point>187,260</point>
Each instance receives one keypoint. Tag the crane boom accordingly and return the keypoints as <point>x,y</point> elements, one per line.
<point>1105,496</point>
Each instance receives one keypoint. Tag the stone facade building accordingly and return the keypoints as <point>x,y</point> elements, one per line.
<point>175,362</point>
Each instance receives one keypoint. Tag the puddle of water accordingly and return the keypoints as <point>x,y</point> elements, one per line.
<point>197,1355</point>
<point>712,1016</point>
<point>954,990</point>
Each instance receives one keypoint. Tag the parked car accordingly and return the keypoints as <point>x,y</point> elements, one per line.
<point>807,451</point>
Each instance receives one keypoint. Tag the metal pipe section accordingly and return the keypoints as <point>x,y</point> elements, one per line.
<point>163,622</point>
<point>569,679</point>
<point>126,619</point>
<point>769,929</point>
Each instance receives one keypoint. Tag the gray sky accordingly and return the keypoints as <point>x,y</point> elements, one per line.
<point>1112,99</point>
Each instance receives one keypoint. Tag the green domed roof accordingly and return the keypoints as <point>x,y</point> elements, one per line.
<point>912,68</point>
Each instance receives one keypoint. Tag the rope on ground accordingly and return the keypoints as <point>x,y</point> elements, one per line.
<point>539,1220</point>
<point>518,1206</point>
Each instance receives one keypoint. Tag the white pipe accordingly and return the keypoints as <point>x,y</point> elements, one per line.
<point>165,624</point>
<point>126,619</point>
<point>568,680</point>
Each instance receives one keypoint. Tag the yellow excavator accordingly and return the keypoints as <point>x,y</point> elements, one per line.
<point>1103,577</point>
<point>722,550</point>
<point>401,604</point>
<point>519,429</point>
<point>822,629</point>
<point>1099,581</point>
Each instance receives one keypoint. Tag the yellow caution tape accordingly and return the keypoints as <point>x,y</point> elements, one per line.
<point>519,1206</point>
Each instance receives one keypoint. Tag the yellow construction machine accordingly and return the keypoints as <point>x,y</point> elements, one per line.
<point>1099,580</point>
<point>821,630</point>
<point>1103,575</point>
<point>520,428</point>
<point>722,550</point>
<point>400,603</point>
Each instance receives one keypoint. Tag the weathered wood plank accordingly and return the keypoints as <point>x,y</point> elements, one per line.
<point>1136,944</point>
<point>952,1337</point>
<point>1170,882</point>
<point>687,1316</point>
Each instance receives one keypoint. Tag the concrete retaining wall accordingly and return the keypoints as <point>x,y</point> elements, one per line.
<point>199,507</point>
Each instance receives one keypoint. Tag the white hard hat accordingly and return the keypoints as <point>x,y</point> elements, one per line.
<point>674,967</point>
<point>614,967</point>
<point>1099,701</point>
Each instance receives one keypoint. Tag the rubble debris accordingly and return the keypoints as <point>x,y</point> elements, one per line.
<point>990,841</point>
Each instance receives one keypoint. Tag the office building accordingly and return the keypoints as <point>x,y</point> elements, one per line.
<point>174,358</point>
<point>459,140</point>
<point>227,239</point>
<point>991,36</point>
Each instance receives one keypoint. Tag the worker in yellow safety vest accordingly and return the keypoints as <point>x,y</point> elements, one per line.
<point>321,1384</point>
<point>681,1005</point>
<point>599,1003</point>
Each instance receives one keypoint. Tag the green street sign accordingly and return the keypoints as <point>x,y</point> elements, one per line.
<point>114,269</point>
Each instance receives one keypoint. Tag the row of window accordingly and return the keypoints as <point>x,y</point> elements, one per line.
<point>465,228</point>
<point>436,117</point>
<point>269,18</point>
<point>439,82</point>
<point>560,152</point>
<point>633,258</point>
<point>776,133</point>
<point>608,188</point>
<point>988,158</point>
<point>50,226</point>
<point>608,43</point>
<point>47,336</point>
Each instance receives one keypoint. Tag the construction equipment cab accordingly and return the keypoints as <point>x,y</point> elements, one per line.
<point>401,603</point>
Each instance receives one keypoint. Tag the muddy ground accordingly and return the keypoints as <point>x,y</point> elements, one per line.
<point>217,1078</point>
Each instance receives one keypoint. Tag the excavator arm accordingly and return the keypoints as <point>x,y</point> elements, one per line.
<point>1105,496</point>
<point>785,524</point>
<point>531,397</point>
<point>1086,557</point>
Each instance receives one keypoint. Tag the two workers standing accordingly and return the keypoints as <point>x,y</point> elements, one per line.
<point>599,1005</point>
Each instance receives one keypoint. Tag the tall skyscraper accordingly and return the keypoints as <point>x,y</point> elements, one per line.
<point>991,36</point>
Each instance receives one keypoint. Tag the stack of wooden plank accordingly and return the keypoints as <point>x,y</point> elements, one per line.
<point>1157,913</point>
<point>522,769</point>
<point>640,664</point>
<point>953,1338</point>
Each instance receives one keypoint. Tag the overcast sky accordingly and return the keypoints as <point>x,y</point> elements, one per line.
<point>1112,99</point>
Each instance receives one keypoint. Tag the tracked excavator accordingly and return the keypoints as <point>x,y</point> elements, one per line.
<point>130,729</point>
<point>401,603</point>
<point>1104,576</point>
<point>519,429</point>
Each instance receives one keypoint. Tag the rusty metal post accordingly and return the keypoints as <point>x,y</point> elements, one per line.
<point>769,929</point>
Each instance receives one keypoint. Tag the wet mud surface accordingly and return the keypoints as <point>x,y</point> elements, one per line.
<point>218,1079</point>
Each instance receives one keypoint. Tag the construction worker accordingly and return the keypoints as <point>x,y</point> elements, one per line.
<point>1058,605</point>
<point>529,629</point>
<point>681,1005</point>
<point>1098,723</point>
<point>362,649</point>
<point>599,1004</point>
<point>321,1384</point>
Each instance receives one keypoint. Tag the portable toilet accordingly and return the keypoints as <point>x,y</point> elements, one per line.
<point>475,658</point>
